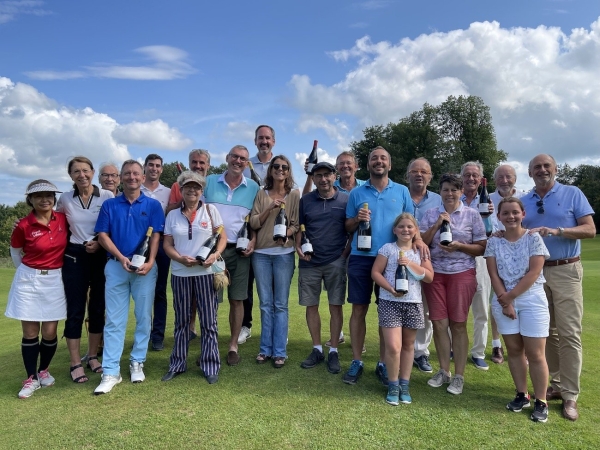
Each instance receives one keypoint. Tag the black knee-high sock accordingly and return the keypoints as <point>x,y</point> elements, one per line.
<point>47,351</point>
<point>30,349</point>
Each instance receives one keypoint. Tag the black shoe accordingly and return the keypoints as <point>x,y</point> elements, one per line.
<point>212,379</point>
<point>521,401</point>
<point>170,375</point>
<point>333,363</point>
<point>158,346</point>
<point>540,412</point>
<point>315,357</point>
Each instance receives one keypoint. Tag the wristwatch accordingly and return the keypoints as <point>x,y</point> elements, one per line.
<point>561,230</point>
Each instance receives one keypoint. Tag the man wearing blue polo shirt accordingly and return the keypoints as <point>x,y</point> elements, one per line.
<point>386,200</point>
<point>562,215</point>
<point>122,225</point>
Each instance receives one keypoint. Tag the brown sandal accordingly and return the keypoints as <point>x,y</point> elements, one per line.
<point>279,362</point>
<point>262,358</point>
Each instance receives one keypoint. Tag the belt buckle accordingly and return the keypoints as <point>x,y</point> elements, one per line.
<point>43,272</point>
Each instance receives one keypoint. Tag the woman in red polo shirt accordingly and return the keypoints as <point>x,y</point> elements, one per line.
<point>37,247</point>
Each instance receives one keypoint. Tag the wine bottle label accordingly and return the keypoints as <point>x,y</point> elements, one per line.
<point>309,167</point>
<point>447,236</point>
<point>401,285</point>
<point>483,208</point>
<point>242,243</point>
<point>279,230</point>
<point>307,248</point>
<point>204,252</point>
<point>138,260</point>
<point>364,242</point>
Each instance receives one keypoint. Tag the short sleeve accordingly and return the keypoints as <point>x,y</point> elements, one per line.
<point>158,217</point>
<point>17,239</point>
<point>537,246</point>
<point>384,251</point>
<point>169,222</point>
<point>490,249</point>
<point>426,221</point>
<point>214,212</point>
<point>103,222</point>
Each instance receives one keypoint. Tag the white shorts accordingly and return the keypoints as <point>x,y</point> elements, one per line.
<point>533,316</point>
<point>37,295</point>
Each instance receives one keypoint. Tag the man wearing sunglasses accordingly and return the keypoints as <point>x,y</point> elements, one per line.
<point>562,215</point>
<point>233,195</point>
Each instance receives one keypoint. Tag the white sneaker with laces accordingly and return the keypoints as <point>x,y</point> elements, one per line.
<point>245,333</point>
<point>108,382</point>
<point>29,387</point>
<point>137,372</point>
<point>456,385</point>
<point>45,378</point>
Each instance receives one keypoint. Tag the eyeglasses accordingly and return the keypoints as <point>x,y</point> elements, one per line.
<point>109,175</point>
<point>320,176</point>
<point>193,186</point>
<point>419,172</point>
<point>471,175</point>
<point>241,158</point>
<point>540,205</point>
<point>283,167</point>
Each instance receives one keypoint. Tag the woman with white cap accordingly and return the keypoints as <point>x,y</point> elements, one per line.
<point>37,295</point>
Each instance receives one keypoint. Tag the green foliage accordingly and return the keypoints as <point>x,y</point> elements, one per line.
<point>217,169</point>
<point>171,172</point>
<point>8,215</point>
<point>458,130</point>
<point>586,178</point>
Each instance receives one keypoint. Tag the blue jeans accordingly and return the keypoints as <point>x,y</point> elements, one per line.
<point>273,275</point>
<point>120,285</point>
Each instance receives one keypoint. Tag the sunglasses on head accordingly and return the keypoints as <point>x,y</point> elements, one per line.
<point>283,167</point>
<point>540,205</point>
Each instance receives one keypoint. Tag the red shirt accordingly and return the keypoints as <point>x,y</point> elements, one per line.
<point>43,245</point>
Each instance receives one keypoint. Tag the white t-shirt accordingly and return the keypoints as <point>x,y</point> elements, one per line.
<point>496,198</point>
<point>82,217</point>
<point>392,253</point>
<point>161,193</point>
<point>177,225</point>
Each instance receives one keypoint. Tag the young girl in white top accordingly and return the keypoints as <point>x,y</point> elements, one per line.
<point>400,314</point>
<point>520,307</point>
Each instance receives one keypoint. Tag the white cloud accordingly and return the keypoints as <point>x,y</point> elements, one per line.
<point>337,131</point>
<point>9,10</point>
<point>38,136</point>
<point>165,63</point>
<point>540,83</point>
<point>239,132</point>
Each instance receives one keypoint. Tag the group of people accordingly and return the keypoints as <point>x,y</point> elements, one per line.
<point>79,251</point>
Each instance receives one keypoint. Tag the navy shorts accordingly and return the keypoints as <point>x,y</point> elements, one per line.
<point>360,283</point>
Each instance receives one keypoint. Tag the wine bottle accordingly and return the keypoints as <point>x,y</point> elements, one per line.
<point>253,175</point>
<point>445,233</point>
<point>364,234</point>
<point>209,246</point>
<point>140,256</point>
<point>244,236</point>
<point>487,221</point>
<point>484,199</point>
<point>305,244</point>
<point>281,223</point>
<point>312,159</point>
<point>401,284</point>
<point>179,169</point>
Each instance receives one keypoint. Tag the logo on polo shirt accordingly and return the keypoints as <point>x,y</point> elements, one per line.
<point>204,225</point>
<point>37,233</point>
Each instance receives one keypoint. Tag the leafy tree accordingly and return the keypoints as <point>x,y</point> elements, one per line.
<point>8,215</point>
<point>458,130</point>
<point>218,169</point>
<point>171,172</point>
<point>586,178</point>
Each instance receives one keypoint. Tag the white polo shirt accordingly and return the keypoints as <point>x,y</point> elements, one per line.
<point>189,237</point>
<point>82,217</point>
<point>161,193</point>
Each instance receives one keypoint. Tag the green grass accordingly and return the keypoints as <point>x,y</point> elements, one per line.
<point>257,406</point>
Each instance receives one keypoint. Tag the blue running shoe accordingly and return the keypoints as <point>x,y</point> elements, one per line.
<point>355,371</point>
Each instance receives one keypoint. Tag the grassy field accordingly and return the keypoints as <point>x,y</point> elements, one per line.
<point>256,406</point>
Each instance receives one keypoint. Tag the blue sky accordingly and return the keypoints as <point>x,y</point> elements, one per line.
<point>113,80</point>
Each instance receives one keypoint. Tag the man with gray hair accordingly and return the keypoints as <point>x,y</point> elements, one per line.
<point>108,176</point>
<point>472,173</point>
<point>199,160</point>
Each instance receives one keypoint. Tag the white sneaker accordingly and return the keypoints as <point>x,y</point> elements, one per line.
<point>45,378</point>
<point>439,379</point>
<point>29,387</point>
<point>108,382</point>
<point>137,372</point>
<point>245,333</point>
<point>456,385</point>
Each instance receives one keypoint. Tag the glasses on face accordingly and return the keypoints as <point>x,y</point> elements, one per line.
<point>193,187</point>
<point>109,175</point>
<point>321,176</point>
<point>472,175</point>
<point>81,172</point>
<point>540,205</point>
<point>283,167</point>
<point>419,172</point>
<point>241,158</point>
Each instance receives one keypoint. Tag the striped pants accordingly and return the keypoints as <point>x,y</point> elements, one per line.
<point>201,290</point>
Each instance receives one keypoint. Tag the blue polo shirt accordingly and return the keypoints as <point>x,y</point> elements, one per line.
<point>324,220</point>
<point>385,206</point>
<point>563,205</point>
<point>336,183</point>
<point>429,201</point>
<point>127,223</point>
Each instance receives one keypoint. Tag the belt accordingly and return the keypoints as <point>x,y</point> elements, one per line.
<point>561,262</point>
<point>231,245</point>
<point>74,245</point>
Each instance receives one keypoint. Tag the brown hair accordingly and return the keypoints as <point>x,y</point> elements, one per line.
<point>510,200</point>
<point>289,181</point>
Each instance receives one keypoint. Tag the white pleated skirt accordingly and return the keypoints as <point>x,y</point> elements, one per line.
<point>37,295</point>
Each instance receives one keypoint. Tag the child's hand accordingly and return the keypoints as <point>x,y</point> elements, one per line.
<point>404,261</point>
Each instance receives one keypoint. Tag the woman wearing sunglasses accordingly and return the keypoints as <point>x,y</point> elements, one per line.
<point>273,261</point>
